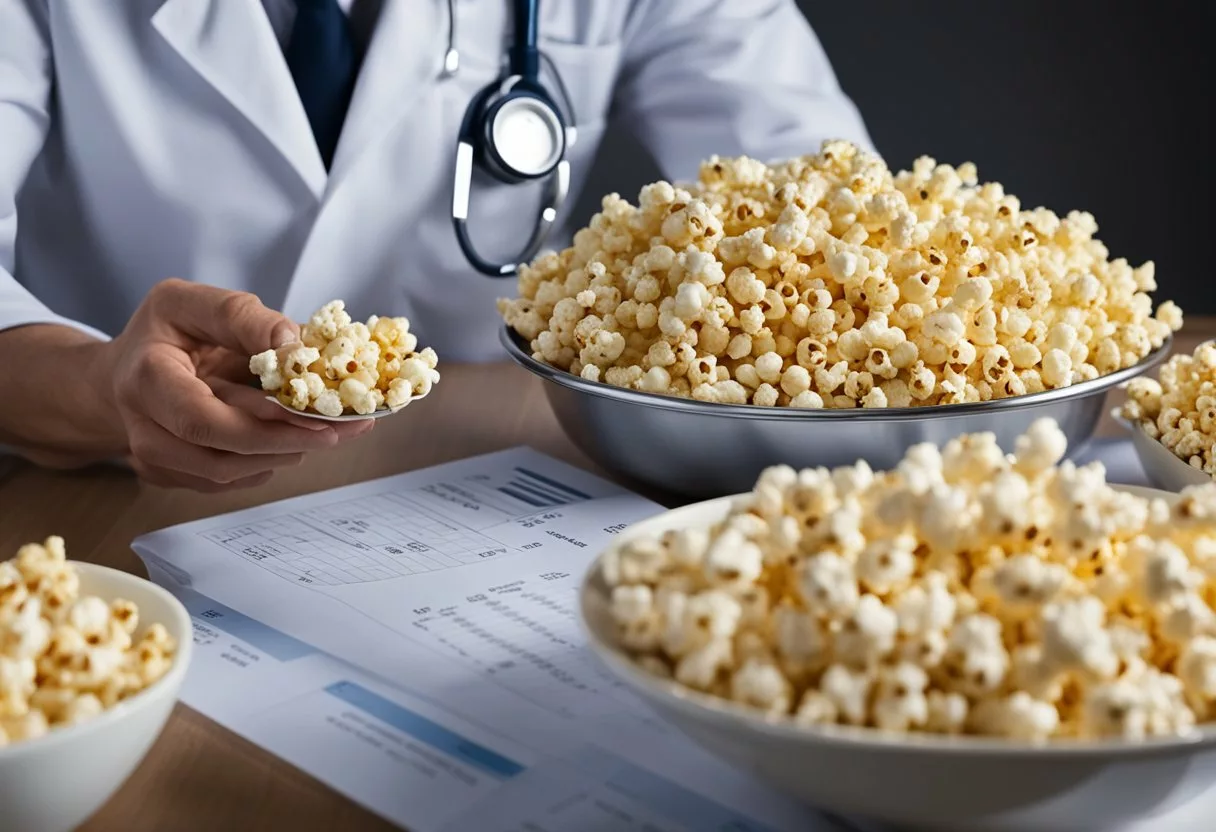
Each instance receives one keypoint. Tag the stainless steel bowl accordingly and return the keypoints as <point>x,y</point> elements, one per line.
<point>699,450</point>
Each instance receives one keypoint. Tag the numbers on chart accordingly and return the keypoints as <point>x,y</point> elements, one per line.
<point>489,553</point>
<point>422,611</point>
<point>472,599</point>
<point>554,576</point>
<point>539,519</point>
<point>616,529</point>
<point>535,545</point>
<point>304,579</point>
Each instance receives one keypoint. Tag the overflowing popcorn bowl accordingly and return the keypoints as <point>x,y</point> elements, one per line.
<point>971,641</point>
<point>825,289</point>
<point>76,731</point>
<point>1172,420</point>
<point>707,449</point>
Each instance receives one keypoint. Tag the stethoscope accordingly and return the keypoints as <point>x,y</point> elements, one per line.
<point>514,131</point>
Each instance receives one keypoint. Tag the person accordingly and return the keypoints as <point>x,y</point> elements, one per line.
<point>177,184</point>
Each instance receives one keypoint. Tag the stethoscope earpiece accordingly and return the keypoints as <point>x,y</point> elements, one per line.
<point>514,131</point>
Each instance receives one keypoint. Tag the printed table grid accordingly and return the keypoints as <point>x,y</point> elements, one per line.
<point>354,542</point>
<point>526,642</point>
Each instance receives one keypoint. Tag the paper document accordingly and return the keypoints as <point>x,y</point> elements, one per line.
<point>413,642</point>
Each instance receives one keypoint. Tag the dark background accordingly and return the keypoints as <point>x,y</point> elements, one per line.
<point>1072,104</point>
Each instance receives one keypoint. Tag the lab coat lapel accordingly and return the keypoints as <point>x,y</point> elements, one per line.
<point>232,46</point>
<point>404,57</point>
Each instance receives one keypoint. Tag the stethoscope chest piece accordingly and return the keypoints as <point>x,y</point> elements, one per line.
<point>524,137</point>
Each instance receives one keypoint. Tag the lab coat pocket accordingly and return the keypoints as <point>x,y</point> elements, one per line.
<point>589,74</point>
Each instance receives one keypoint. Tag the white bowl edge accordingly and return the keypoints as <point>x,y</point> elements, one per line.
<point>1162,466</point>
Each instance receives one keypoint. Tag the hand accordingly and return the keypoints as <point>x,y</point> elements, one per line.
<point>182,388</point>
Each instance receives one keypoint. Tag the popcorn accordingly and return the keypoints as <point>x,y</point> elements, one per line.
<point>1144,703</point>
<point>1075,638</point>
<point>1018,716</point>
<point>343,367</point>
<point>700,668</point>
<point>733,559</point>
<point>816,708</point>
<point>800,637</point>
<point>829,263</point>
<point>827,585</point>
<point>964,592</point>
<point>65,658</point>
<point>976,660</point>
<point>886,565</point>
<point>901,704</point>
<point>848,691</point>
<point>1180,409</point>
<point>761,685</point>
<point>1197,670</point>
<point>928,607</point>
<point>868,634</point>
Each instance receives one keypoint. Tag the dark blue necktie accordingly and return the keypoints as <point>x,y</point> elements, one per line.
<point>321,56</point>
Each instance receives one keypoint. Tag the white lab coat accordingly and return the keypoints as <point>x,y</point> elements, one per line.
<point>144,139</point>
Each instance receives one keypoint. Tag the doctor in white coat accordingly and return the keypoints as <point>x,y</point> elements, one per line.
<point>172,172</point>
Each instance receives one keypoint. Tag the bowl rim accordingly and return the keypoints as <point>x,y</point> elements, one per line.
<point>1145,445</point>
<point>514,344</point>
<point>703,705</point>
<point>123,709</point>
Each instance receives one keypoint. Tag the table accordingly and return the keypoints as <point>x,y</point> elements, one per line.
<point>199,775</point>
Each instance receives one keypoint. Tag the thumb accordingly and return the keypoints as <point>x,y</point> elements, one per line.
<point>222,317</point>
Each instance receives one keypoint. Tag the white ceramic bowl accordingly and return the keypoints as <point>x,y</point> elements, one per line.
<point>922,782</point>
<point>54,783</point>
<point>1163,468</point>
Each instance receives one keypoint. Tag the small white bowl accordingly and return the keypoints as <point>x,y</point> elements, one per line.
<point>350,417</point>
<point>56,782</point>
<point>919,781</point>
<point>1163,468</point>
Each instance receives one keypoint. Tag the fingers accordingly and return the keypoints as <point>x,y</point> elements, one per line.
<point>174,398</point>
<point>156,449</point>
<point>236,320</point>
<point>254,402</point>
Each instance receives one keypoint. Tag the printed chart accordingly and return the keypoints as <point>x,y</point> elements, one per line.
<point>393,534</point>
<point>524,637</point>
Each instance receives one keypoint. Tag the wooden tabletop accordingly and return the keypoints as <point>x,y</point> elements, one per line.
<point>199,775</point>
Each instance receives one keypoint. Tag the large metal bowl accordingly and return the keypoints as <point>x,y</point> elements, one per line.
<point>699,450</point>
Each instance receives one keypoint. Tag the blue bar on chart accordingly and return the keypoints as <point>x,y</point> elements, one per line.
<point>425,730</point>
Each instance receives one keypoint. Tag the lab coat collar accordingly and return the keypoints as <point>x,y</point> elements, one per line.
<point>232,47</point>
<point>404,58</point>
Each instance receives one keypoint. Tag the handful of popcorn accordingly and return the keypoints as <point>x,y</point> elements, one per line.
<point>966,591</point>
<point>1179,409</point>
<point>344,366</point>
<point>826,281</point>
<point>64,657</point>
